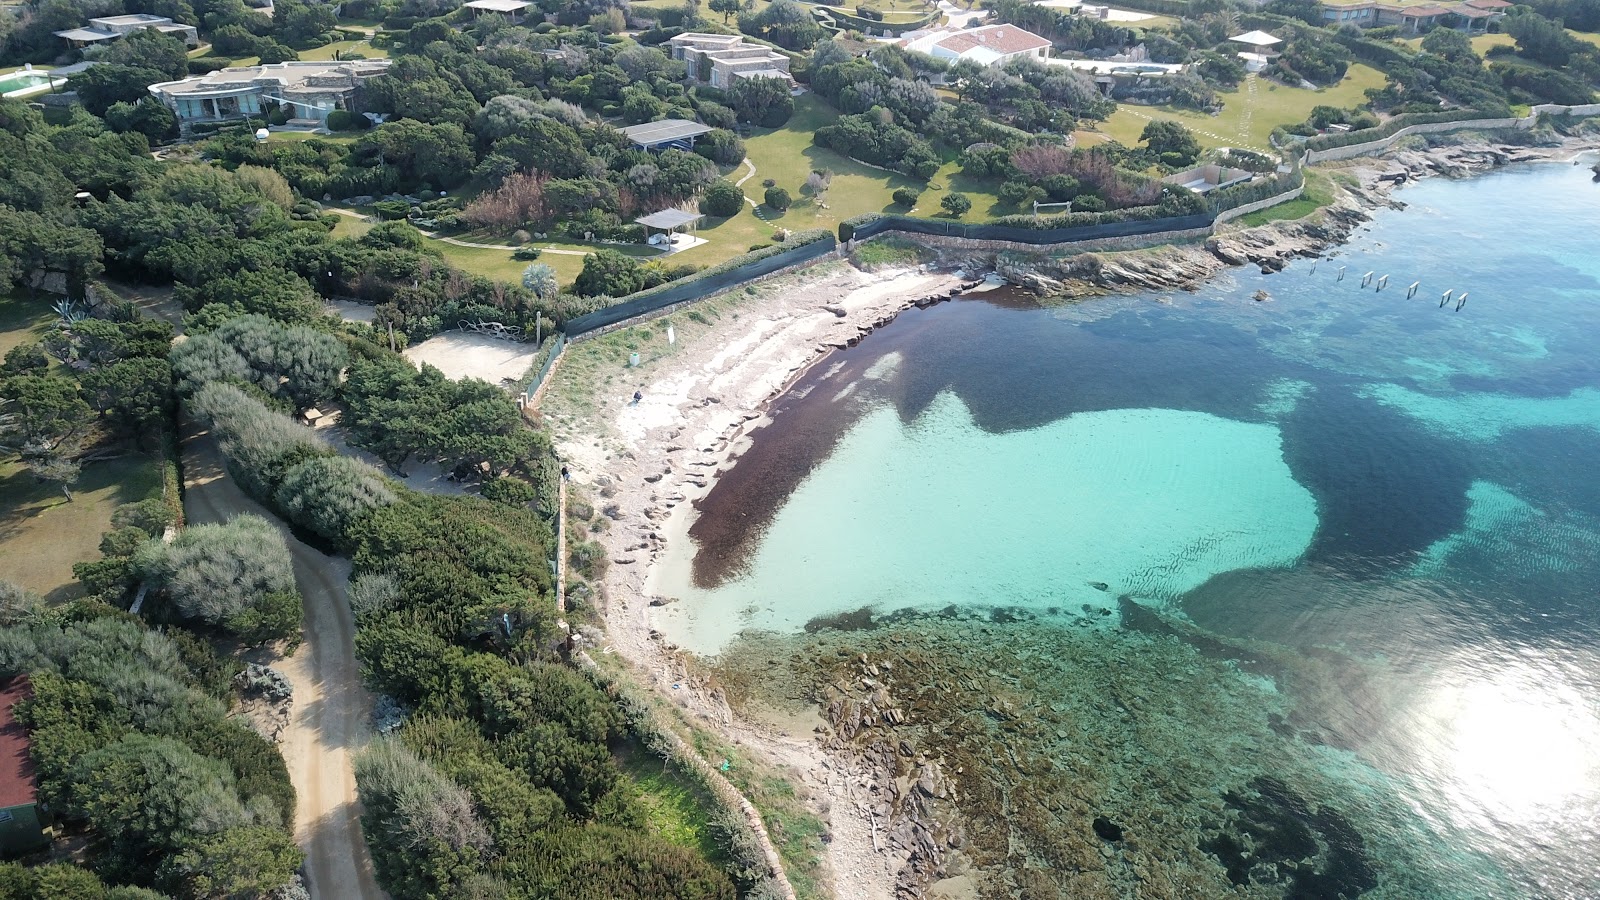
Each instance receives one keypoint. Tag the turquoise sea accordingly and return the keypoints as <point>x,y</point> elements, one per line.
<point>1379,517</point>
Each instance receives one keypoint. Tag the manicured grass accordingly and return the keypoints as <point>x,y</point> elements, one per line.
<point>327,51</point>
<point>42,535</point>
<point>23,320</point>
<point>1246,121</point>
<point>351,227</point>
<point>788,156</point>
<point>1318,193</point>
<point>346,138</point>
<point>499,265</point>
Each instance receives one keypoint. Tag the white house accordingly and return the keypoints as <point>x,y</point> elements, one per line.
<point>989,45</point>
<point>310,90</point>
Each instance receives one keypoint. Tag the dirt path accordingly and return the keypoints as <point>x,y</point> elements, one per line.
<point>330,716</point>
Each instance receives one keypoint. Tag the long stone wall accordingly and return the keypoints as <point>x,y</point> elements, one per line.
<point>1378,146</point>
<point>1128,242</point>
<point>1228,215</point>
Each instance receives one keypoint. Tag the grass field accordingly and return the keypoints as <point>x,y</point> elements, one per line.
<point>1318,193</point>
<point>327,51</point>
<point>23,321</point>
<point>41,534</point>
<point>1247,119</point>
<point>676,809</point>
<point>788,156</point>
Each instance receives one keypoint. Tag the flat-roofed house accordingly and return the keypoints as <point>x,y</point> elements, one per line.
<point>1415,16</point>
<point>21,821</point>
<point>988,45</point>
<point>509,8</point>
<point>111,28</point>
<point>720,60</point>
<point>310,90</point>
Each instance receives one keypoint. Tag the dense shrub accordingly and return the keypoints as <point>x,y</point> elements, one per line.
<point>777,198</point>
<point>236,576</point>
<point>328,495</point>
<point>722,199</point>
<point>260,445</point>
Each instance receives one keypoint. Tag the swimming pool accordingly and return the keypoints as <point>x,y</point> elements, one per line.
<point>19,83</point>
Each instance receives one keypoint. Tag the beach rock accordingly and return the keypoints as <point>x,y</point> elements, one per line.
<point>836,310</point>
<point>652,478</point>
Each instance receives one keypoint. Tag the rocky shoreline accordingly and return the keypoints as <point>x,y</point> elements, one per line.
<point>1367,186</point>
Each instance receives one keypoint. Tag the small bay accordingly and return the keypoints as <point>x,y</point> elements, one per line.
<point>1317,575</point>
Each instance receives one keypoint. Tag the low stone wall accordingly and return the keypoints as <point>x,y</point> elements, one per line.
<point>1129,242</point>
<point>1373,147</point>
<point>1228,215</point>
<point>668,310</point>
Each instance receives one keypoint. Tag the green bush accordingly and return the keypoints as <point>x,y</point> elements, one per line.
<point>237,576</point>
<point>906,196</point>
<point>328,495</point>
<point>722,198</point>
<point>777,198</point>
<point>392,209</point>
<point>345,120</point>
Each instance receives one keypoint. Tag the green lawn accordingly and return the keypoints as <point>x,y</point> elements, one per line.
<point>1318,193</point>
<point>23,320</point>
<point>327,51</point>
<point>676,809</point>
<point>1246,121</point>
<point>310,136</point>
<point>42,535</point>
<point>787,156</point>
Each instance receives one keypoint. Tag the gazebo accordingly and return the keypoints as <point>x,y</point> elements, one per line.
<point>1260,52</point>
<point>668,221</point>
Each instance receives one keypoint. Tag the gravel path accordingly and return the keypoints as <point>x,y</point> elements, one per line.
<point>329,720</point>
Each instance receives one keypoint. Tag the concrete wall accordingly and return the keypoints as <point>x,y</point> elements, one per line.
<point>1228,215</point>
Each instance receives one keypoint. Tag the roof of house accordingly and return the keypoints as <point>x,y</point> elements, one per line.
<point>87,34</point>
<point>664,131</point>
<point>1489,4</point>
<point>287,76</point>
<point>705,38</point>
<point>1256,38</point>
<point>506,6</point>
<point>17,785</point>
<point>1000,39</point>
<point>133,19</point>
<point>667,218</point>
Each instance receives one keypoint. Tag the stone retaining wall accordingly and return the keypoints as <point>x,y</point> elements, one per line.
<point>1228,215</point>
<point>1129,242</point>
<point>1373,147</point>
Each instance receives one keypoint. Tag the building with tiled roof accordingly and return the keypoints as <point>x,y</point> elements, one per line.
<point>989,45</point>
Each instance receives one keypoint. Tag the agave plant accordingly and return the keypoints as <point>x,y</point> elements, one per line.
<point>68,312</point>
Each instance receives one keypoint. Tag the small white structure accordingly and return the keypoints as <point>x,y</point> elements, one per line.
<point>509,8</point>
<point>988,45</point>
<point>110,28</point>
<point>1260,52</point>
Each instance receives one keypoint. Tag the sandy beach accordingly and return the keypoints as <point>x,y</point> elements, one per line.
<point>657,456</point>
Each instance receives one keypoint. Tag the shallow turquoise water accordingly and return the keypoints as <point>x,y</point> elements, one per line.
<point>1408,488</point>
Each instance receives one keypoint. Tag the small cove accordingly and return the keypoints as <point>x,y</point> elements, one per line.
<point>1388,505</point>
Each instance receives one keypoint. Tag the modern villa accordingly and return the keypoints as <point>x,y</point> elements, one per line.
<point>988,45</point>
<point>1414,16</point>
<point>310,90</point>
<point>719,60</point>
<point>111,28</point>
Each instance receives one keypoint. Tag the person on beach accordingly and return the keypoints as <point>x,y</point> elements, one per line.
<point>637,396</point>
<point>565,474</point>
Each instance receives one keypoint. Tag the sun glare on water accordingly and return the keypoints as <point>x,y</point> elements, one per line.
<point>1520,745</point>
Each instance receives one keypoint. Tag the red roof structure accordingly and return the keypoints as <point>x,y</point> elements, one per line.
<point>17,782</point>
<point>1006,39</point>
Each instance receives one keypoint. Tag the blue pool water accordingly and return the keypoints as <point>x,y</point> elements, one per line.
<point>1406,493</point>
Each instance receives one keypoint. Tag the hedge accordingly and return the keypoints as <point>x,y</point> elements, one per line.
<point>1380,54</point>
<point>1256,189</point>
<point>872,26</point>
<point>1345,139</point>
